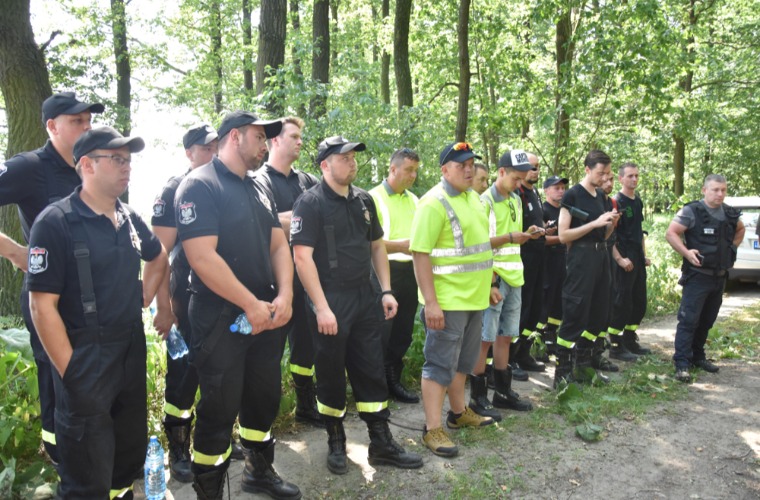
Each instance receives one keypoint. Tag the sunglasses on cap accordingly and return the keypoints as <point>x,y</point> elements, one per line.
<point>459,146</point>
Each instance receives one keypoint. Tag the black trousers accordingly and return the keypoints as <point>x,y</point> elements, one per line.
<point>554,278</point>
<point>397,332</point>
<point>299,336</point>
<point>181,375</point>
<point>532,290</point>
<point>101,412</point>
<point>700,305</point>
<point>629,297</point>
<point>356,349</point>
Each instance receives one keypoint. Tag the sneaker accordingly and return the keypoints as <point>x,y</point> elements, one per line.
<point>683,375</point>
<point>439,443</point>
<point>706,365</point>
<point>467,419</point>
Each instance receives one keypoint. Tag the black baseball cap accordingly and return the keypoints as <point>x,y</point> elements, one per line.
<point>105,138</point>
<point>555,179</point>
<point>458,152</point>
<point>238,119</point>
<point>199,134</point>
<point>516,159</point>
<point>66,103</point>
<point>335,145</point>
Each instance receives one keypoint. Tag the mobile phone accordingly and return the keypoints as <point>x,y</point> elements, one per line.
<point>537,230</point>
<point>701,258</point>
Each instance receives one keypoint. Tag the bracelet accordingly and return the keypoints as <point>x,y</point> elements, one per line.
<point>495,284</point>
<point>388,292</point>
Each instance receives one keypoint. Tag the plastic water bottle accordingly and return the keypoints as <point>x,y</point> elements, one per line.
<point>175,344</point>
<point>155,476</point>
<point>241,325</point>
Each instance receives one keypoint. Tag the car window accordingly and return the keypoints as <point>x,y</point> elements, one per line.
<point>750,216</point>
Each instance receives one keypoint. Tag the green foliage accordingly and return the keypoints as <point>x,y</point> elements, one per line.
<point>663,291</point>
<point>737,335</point>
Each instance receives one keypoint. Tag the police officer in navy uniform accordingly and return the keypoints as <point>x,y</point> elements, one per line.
<point>336,238</point>
<point>86,300</point>
<point>711,231</point>
<point>241,263</point>
<point>32,181</point>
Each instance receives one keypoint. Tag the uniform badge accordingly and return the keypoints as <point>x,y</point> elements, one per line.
<point>159,207</point>
<point>709,230</point>
<point>367,216</point>
<point>38,260</point>
<point>186,212</point>
<point>295,225</point>
<point>3,169</point>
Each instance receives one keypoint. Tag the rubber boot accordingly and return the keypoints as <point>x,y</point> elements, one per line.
<point>178,434</point>
<point>383,450</point>
<point>525,360</point>
<point>259,475</point>
<point>598,361</point>
<point>618,350</point>
<point>504,396</point>
<point>583,371</point>
<point>306,401</point>
<point>631,342</point>
<point>564,369</point>
<point>479,398</point>
<point>336,442</point>
<point>395,388</point>
<point>208,482</point>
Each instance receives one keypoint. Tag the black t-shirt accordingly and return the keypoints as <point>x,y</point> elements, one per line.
<point>213,201</point>
<point>286,190</point>
<point>355,223</point>
<point>578,197</point>
<point>533,215</point>
<point>629,228</point>
<point>34,180</point>
<point>551,219</point>
<point>114,261</point>
<point>163,216</point>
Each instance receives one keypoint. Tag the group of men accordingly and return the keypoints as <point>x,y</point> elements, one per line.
<point>335,271</point>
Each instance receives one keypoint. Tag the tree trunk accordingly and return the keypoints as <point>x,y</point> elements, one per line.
<point>564,47</point>
<point>685,83</point>
<point>320,62</point>
<point>123,73</point>
<point>24,83</point>
<point>385,68</point>
<point>295,18</point>
<point>464,69</point>
<point>271,56</point>
<point>401,53</point>
<point>215,15</point>
<point>334,12</point>
<point>247,47</point>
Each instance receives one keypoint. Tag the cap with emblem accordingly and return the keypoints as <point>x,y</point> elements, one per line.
<point>105,138</point>
<point>66,103</point>
<point>199,134</point>
<point>337,144</point>
<point>555,179</point>
<point>516,159</point>
<point>238,119</point>
<point>458,152</point>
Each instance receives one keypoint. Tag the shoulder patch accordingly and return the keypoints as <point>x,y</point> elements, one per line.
<point>187,212</point>
<point>295,225</point>
<point>159,208</point>
<point>38,260</point>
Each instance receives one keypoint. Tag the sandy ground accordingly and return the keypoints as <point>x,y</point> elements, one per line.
<point>706,446</point>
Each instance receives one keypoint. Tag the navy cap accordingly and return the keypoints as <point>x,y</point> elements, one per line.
<point>555,179</point>
<point>516,159</point>
<point>335,145</point>
<point>105,138</point>
<point>199,134</point>
<point>238,119</point>
<point>66,103</point>
<point>458,152</point>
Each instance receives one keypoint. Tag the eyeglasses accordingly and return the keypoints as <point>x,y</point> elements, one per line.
<point>119,161</point>
<point>512,211</point>
<point>459,146</point>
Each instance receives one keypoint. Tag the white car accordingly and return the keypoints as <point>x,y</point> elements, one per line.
<point>747,265</point>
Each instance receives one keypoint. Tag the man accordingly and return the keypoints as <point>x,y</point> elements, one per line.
<point>200,143</point>
<point>480,180</point>
<point>287,184</point>
<point>395,205</point>
<point>453,263</point>
<point>711,231</point>
<point>32,181</point>
<point>629,301</point>
<point>86,300</point>
<point>240,263</point>
<point>501,320</point>
<point>554,263</point>
<point>336,239</point>
<point>584,222</point>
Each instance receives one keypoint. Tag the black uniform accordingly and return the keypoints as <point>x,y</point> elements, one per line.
<point>341,230</point>
<point>237,373</point>
<point>32,181</point>
<point>554,275</point>
<point>101,411</point>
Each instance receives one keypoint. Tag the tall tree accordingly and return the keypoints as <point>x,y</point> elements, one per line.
<point>320,62</point>
<point>271,56</point>
<point>685,83</point>
<point>247,47</point>
<point>123,67</point>
<point>215,16</point>
<point>385,83</point>
<point>463,33</point>
<point>401,53</point>
<point>564,46</point>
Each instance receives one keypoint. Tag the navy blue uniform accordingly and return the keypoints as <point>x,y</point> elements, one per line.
<point>554,274</point>
<point>532,255</point>
<point>101,412</point>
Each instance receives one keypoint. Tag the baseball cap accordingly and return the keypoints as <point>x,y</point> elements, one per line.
<point>66,103</point>
<point>199,134</point>
<point>458,152</point>
<point>335,145</point>
<point>555,179</point>
<point>238,119</point>
<point>105,138</point>
<point>516,159</point>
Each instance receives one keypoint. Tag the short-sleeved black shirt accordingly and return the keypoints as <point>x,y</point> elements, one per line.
<point>629,228</point>
<point>34,180</point>
<point>551,219</point>
<point>578,197</point>
<point>355,223</point>
<point>213,201</point>
<point>114,260</point>
<point>533,215</point>
<point>163,216</point>
<point>286,190</point>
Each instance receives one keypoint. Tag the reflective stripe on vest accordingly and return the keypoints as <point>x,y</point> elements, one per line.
<point>459,250</point>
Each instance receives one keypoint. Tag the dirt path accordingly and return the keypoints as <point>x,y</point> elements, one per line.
<point>706,446</point>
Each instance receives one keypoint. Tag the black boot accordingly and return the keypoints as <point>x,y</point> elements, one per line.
<point>383,450</point>
<point>306,401</point>
<point>631,342</point>
<point>336,442</point>
<point>479,402</point>
<point>524,359</point>
<point>583,371</point>
<point>598,361</point>
<point>178,434</point>
<point>549,336</point>
<point>489,377</point>
<point>395,388</point>
<point>564,369</point>
<point>237,451</point>
<point>517,372</point>
<point>618,350</point>
<point>208,483</point>
<point>259,475</point>
<point>504,396</point>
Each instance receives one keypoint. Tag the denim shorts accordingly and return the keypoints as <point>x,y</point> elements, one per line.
<point>453,349</point>
<point>503,319</point>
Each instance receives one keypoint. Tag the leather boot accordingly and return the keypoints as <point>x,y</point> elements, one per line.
<point>618,350</point>
<point>479,398</point>
<point>259,475</point>
<point>306,401</point>
<point>489,377</point>
<point>208,483</point>
<point>517,372</point>
<point>631,342</point>
<point>549,336</point>
<point>504,396</point>
<point>598,361</point>
<point>395,388</point>
<point>336,442</point>
<point>583,371</point>
<point>237,451</point>
<point>564,369</point>
<point>178,434</point>
<point>383,450</point>
<point>525,360</point>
